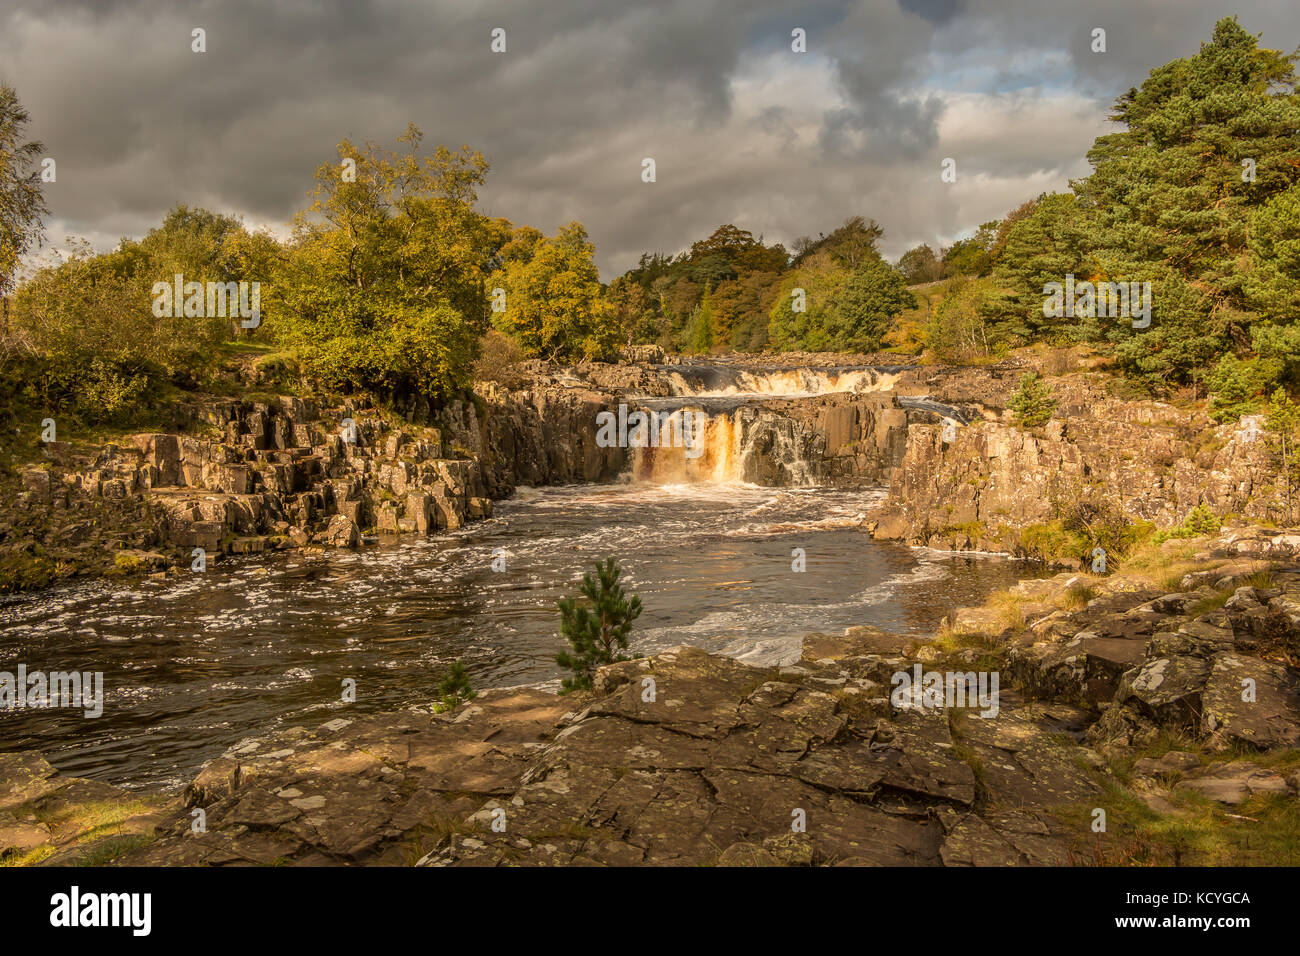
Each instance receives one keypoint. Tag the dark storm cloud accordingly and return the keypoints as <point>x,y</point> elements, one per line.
<point>935,11</point>
<point>742,129</point>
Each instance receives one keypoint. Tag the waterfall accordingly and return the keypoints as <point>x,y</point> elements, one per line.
<point>721,382</point>
<point>746,445</point>
<point>740,440</point>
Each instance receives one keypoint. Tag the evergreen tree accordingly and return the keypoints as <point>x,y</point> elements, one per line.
<point>1032,402</point>
<point>1047,244</point>
<point>454,689</point>
<point>1237,386</point>
<point>597,628</point>
<point>1207,140</point>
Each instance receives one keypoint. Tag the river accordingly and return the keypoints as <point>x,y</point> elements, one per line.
<point>195,663</point>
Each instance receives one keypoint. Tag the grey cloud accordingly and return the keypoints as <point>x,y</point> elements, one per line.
<point>587,88</point>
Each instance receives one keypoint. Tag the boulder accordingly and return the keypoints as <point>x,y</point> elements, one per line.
<point>1234,783</point>
<point>1250,702</point>
<point>341,532</point>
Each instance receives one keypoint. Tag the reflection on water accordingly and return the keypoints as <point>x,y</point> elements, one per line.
<point>194,664</point>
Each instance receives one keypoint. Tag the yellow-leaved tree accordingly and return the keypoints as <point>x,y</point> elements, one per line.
<point>553,305</point>
<point>384,287</point>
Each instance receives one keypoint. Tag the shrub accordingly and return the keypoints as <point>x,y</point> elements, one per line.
<point>454,689</point>
<point>1199,522</point>
<point>1032,403</point>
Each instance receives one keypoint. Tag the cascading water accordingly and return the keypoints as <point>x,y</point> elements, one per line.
<point>198,663</point>
<point>721,382</point>
<point>738,440</point>
<point>745,445</point>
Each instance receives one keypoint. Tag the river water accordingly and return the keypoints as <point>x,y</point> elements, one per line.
<point>196,663</point>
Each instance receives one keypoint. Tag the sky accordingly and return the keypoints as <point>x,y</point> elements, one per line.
<point>742,128</point>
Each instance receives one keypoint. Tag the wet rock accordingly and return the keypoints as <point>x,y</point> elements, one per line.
<point>341,532</point>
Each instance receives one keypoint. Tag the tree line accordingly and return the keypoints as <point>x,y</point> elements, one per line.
<point>392,281</point>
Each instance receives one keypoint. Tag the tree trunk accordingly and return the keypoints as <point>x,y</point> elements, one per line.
<point>1286,470</point>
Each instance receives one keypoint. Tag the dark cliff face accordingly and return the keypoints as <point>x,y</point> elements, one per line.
<point>539,436</point>
<point>252,475</point>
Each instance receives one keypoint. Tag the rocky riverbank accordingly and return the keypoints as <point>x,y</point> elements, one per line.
<point>1172,708</point>
<point>248,476</point>
<point>245,476</point>
<point>984,484</point>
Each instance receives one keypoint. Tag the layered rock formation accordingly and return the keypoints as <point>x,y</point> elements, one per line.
<point>973,487</point>
<point>249,476</point>
<point>715,769</point>
<point>960,474</point>
<point>278,474</point>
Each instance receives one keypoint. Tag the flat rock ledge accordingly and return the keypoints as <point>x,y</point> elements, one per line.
<point>689,759</point>
<point>710,764</point>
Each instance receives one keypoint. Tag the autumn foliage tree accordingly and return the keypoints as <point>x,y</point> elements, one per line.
<point>21,201</point>
<point>554,306</point>
<point>384,283</point>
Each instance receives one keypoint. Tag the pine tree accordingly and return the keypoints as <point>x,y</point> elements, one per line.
<point>1046,244</point>
<point>1032,403</point>
<point>596,628</point>
<point>454,689</point>
<point>1205,142</point>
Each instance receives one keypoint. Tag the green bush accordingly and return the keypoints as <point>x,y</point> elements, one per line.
<point>454,689</point>
<point>1199,522</point>
<point>1032,403</point>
